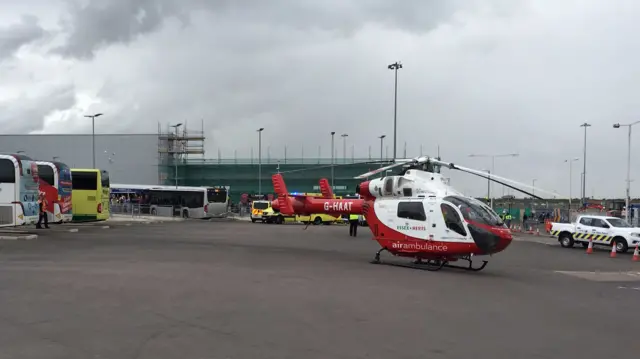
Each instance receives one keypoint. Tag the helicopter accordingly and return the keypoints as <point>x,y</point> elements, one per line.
<point>416,214</point>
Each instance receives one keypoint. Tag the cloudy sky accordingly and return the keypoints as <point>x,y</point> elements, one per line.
<point>484,77</point>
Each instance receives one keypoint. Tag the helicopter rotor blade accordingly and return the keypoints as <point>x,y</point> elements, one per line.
<point>398,162</point>
<point>485,176</point>
<point>378,170</point>
<point>492,177</point>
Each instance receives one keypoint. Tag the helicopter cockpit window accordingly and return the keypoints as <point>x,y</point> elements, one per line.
<point>412,210</point>
<point>452,219</point>
<point>475,211</point>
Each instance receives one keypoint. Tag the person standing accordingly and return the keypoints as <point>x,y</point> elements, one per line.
<point>43,204</point>
<point>353,225</point>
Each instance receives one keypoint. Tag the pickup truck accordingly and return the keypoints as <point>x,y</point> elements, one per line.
<point>601,230</point>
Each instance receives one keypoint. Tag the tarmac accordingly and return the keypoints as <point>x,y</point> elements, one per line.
<point>229,289</point>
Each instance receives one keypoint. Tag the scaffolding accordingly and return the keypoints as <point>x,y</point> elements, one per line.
<point>175,144</point>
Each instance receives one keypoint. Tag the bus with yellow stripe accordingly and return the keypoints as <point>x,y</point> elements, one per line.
<point>90,192</point>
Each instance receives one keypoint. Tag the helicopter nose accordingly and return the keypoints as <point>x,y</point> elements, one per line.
<point>490,239</point>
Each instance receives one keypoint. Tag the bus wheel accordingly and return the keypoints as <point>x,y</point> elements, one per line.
<point>280,220</point>
<point>317,221</point>
<point>154,212</point>
<point>185,214</point>
<point>253,220</point>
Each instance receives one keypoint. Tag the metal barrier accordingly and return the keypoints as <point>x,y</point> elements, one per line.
<point>137,210</point>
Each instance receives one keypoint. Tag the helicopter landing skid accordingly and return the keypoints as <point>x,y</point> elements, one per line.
<point>432,265</point>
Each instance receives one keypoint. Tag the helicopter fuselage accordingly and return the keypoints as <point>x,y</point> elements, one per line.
<point>433,228</point>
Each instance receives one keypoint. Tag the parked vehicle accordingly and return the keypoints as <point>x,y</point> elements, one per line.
<point>601,230</point>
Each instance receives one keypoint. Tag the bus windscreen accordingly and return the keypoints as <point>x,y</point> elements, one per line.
<point>216,195</point>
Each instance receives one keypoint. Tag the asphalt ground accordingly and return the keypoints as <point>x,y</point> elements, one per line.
<point>201,289</point>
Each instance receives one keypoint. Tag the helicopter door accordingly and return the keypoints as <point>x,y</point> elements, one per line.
<point>455,228</point>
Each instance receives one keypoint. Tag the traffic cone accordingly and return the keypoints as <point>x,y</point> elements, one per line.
<point>614,250</point>
<point>590,247</point>
<point>636,255</point>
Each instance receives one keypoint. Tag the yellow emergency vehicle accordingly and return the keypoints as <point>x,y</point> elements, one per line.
<point>271,216</point>
<point>259,209</point>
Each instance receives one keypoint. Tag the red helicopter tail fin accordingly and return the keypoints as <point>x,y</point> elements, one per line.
<point>284,205</point>
<point>278,185</point>
<point>325,188</point>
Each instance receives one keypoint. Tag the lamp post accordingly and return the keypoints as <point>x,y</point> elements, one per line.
<point>533,188</point>
<point>93,134</point>
<point>584,168</point>
<point>344,147</point>
<point>570,177</point>
<point>333,133</point>
<point>260,161</point>
<point>628,196</point>
<point>493,165</point>
<point>175,154</point>
<point>395,67</point>
<point>488,183</point>
<point>381,144</point>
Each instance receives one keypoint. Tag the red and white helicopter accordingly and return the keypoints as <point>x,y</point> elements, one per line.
<point>415,214</point>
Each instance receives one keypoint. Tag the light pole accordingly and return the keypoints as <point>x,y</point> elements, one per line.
<point>93,134</point>
<point>260,161</point>
<point>381,142</point>
<point>570,162</point>
<point>628,199</point>
<point>395,67</point>
<point>344,147</point>
<point>175,154</point>
<point>493,165</point>
<point>333,133</point>
<point>488,183</point>
<point>533,187</point>
<point>584,168</point>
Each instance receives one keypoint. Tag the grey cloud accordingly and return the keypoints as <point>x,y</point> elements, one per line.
<point>99,24</point>
<point>14,36</point>
<point>27,114</point>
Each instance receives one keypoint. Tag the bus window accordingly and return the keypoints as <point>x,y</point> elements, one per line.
<point>84,181</point>
<point>105,179</point>
<point>216,195</point>
<point>7,171</point>
<point>46,174</point>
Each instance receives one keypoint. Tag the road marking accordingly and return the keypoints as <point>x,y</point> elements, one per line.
<point>604,276</point>
<point>73,230</point>
<point>632,288</point>
<point>19,238</point>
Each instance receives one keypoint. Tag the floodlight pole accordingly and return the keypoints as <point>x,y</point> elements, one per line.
<point>260,161</point>
<point>628,196</point>
<point>332,156</point>
<point>395,66</point>
<point>584,166</point>
<point>93,134</point>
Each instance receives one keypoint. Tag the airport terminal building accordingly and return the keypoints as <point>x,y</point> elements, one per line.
<point>167,158</point>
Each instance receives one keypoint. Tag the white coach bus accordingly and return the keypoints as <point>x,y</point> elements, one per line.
<point>187,202</point>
